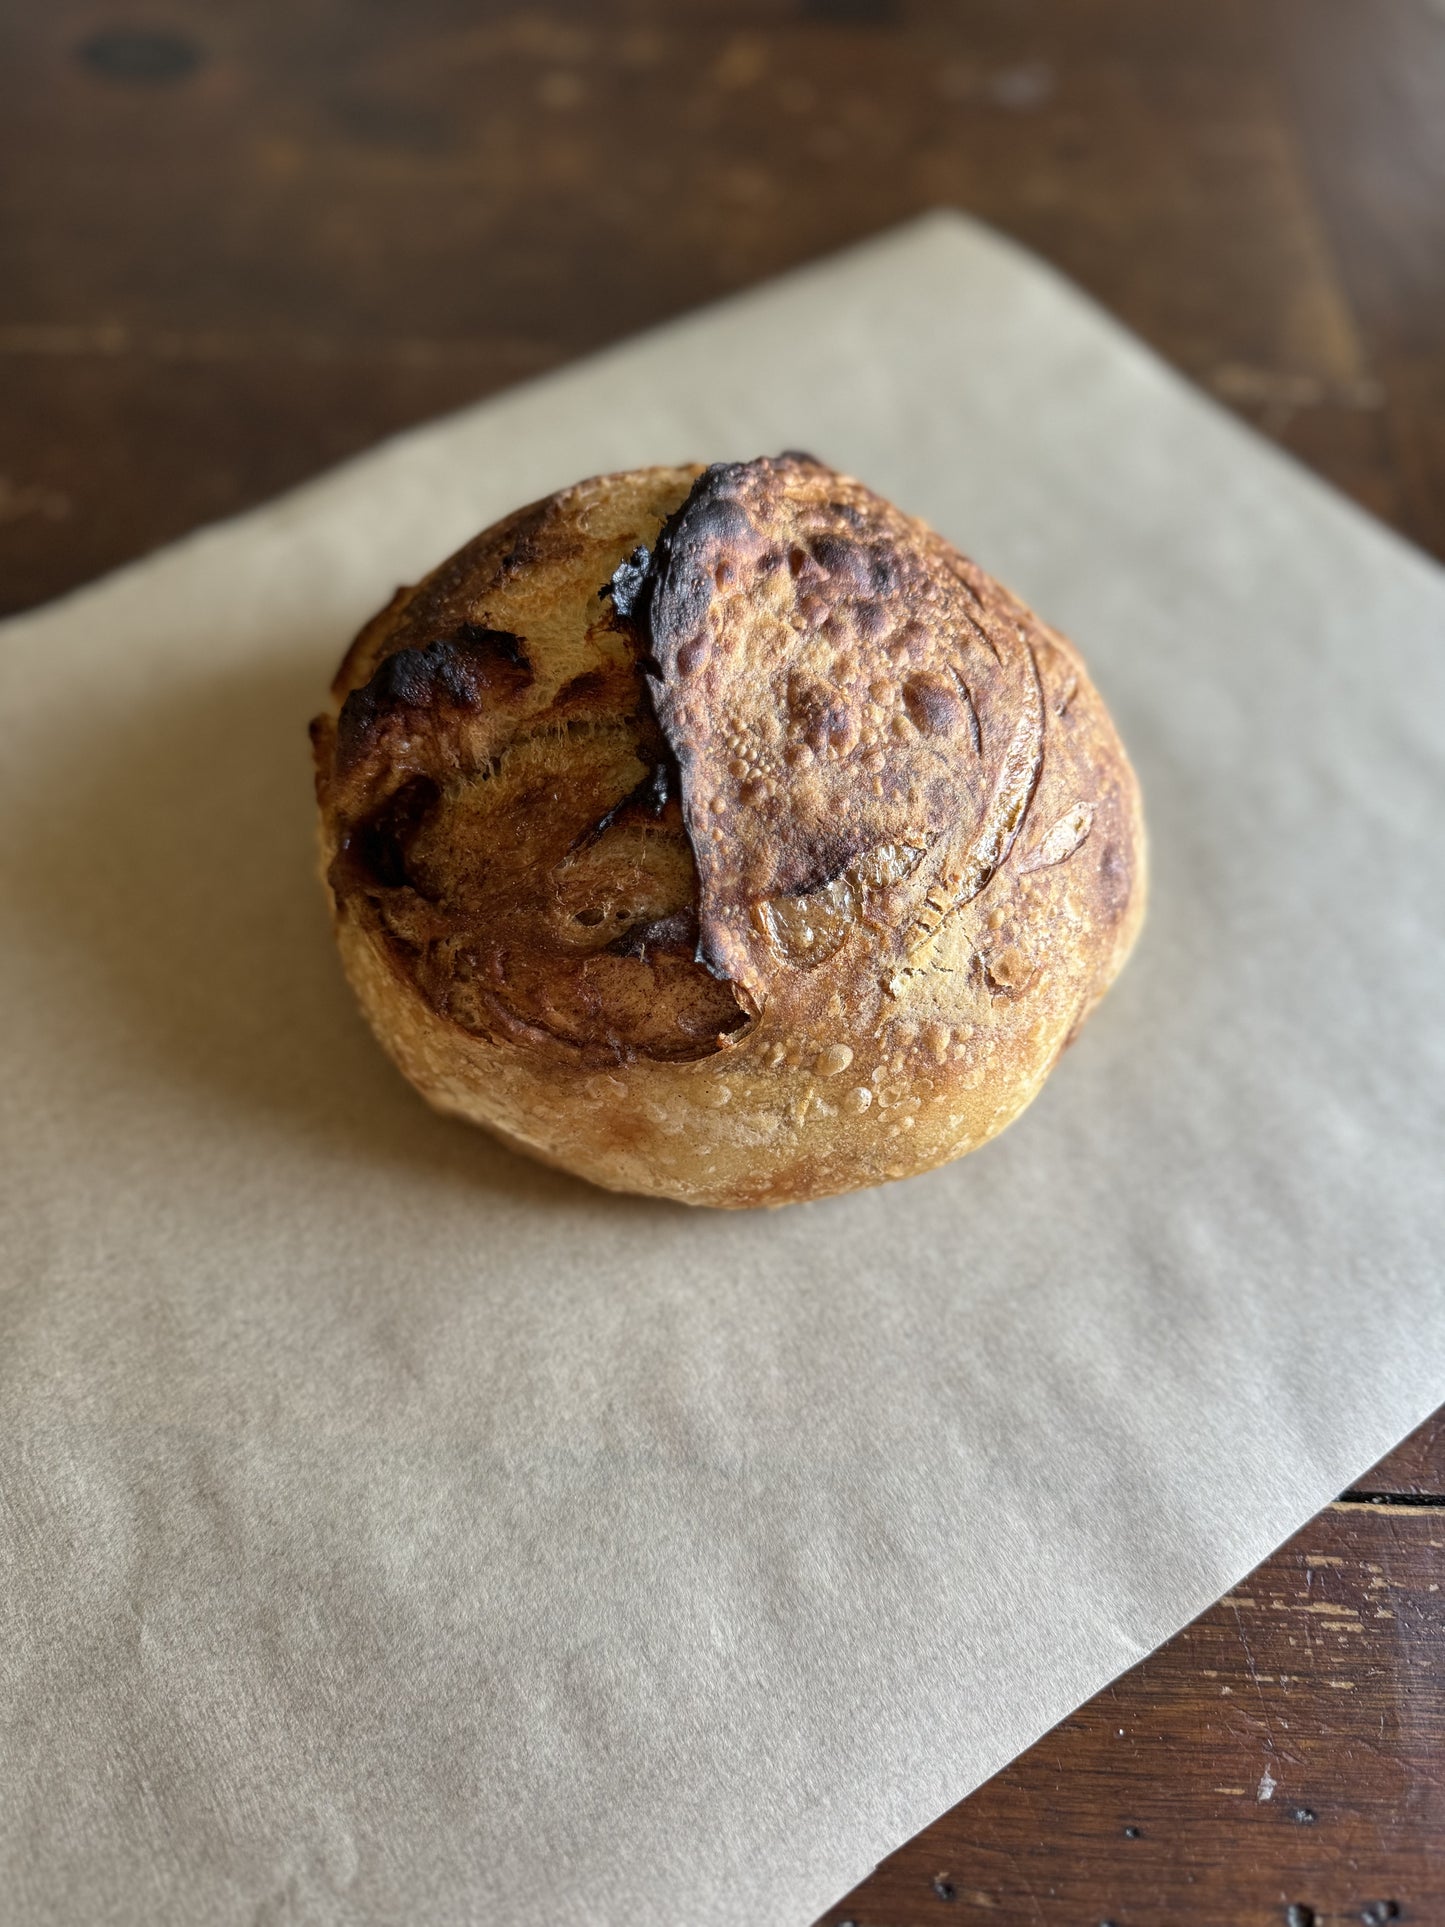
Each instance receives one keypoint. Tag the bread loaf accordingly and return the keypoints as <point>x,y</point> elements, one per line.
<point>723,834</point>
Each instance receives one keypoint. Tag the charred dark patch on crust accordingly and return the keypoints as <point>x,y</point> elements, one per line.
<point>625,584</point>
<point>499,645</point>
<point>453,673</point>
<point>641,805</point>
<point>453,595</point>
<point>373,853</point>
<point>379,626</point>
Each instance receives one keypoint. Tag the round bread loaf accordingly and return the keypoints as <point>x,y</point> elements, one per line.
<point>723,834</point>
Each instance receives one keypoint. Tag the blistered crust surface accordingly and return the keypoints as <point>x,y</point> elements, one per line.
<point>857,714</point>
<point>725,834</point>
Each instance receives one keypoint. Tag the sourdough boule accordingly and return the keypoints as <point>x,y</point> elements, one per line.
<point>725,835</point>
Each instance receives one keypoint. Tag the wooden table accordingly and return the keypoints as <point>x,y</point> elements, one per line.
<point>1281,1763</point>
<point>242,241</point>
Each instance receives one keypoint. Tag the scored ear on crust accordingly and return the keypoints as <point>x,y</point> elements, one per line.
<point>857,728</point>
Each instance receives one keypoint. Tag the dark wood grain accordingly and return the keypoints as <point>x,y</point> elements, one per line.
<point>1416,1469</point>
<point>239,243</point>
<point>246,240</point>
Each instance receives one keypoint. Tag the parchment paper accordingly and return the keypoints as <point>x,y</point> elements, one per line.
<point>393,1531</point>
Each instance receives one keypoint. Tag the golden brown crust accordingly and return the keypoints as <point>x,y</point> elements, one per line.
<point>789,865</point>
